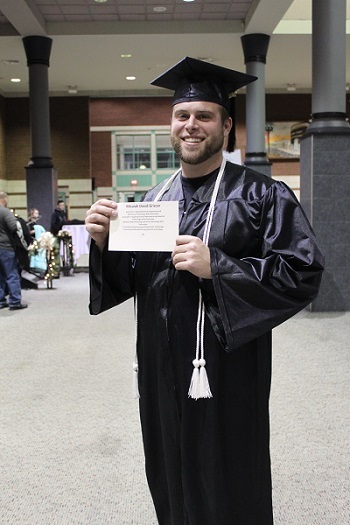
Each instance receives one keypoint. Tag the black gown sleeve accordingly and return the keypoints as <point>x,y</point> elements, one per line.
<point>255,294</point>
<point>111,278</point>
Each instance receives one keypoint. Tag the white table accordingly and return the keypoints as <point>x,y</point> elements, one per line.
<point>80,239</point>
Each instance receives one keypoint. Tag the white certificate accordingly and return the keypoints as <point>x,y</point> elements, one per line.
<point>145,227</point>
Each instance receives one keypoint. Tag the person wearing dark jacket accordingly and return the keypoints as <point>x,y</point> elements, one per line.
<point>245,261</point>
<point>10,280</point>
<point>58,218</point>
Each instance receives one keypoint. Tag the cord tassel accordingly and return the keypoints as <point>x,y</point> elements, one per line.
<point>135,380</point>
<point>193,391</point>
<point>199,387</point>
<point>204,387</point>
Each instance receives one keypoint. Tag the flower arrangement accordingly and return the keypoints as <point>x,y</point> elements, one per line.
<point>51,245</point>
<point>47,241</point>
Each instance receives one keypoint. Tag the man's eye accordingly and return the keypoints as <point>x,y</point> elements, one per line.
<point>182,116</point>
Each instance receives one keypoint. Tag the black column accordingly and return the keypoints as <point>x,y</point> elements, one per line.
<point>255,50</point>
<point>41,176</point>
<point>325,154</point>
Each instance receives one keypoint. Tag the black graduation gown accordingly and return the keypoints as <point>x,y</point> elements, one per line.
<point>207,461</point>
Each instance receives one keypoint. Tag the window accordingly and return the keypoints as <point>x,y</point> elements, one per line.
<point>133,152</point>
<point>145,151</point>
<point>166,157</point>
<point>142,157</point>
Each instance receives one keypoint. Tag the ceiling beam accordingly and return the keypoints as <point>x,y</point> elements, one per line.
<point>264,15</point>
<point>145,28</point>
<point>24,17</point>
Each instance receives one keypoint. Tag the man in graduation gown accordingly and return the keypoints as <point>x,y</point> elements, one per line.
<point>245,261</point>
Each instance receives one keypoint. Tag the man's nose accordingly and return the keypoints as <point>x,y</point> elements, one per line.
<point>191,122</point>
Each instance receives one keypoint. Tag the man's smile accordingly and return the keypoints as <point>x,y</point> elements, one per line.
<point>192,140</point>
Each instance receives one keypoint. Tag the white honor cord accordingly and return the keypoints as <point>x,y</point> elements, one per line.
<point>166,186</point>
<point>135,365</point>
<point>199,387</point>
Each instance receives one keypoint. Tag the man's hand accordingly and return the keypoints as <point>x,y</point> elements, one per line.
<point>98,218</point>
<point>193,255</point>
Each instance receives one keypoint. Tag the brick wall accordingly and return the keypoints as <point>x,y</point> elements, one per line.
<point>69,123</point>
<point>285,168</point>
<point>152,111</point>
<point>79,154</point>
<point>18,148</point>
<point>101,159</point>
<point>69,117</point>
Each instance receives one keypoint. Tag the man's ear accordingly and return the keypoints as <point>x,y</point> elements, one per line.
<point>227,126</point>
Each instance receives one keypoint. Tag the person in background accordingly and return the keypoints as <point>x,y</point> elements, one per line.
<point>38,261</point>
<point>245,261</point>
<point>58,218</point>
<point>33,218</point>
<point>10,279</point>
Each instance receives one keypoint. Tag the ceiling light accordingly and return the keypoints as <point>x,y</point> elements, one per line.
<point>15,80</point>
<point>131,77</point>
<point>72,89</point>
<point>10,62</point>
<point>159,9</point>
<point>125,55</point>
<point>291,87</point>
<point>206,59</point>
<point>100,1</point>
<point>188,0</point>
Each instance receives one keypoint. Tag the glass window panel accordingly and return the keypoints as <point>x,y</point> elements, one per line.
<point>166,158</point>
<point>133,152</point>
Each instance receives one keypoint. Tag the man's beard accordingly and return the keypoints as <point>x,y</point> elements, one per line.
<point>212,146</point>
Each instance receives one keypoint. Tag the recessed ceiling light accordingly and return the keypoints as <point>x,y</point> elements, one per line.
<point>10,62</point>
<point>188,0</point>
<point>125,55</point>
<point>130,78</point>
<point>15,80</point>
<point>206,59</point>
<point>100,1</point>
<point>159,9</point>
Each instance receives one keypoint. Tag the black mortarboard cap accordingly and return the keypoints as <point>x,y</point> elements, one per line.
<point>192,79</point>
